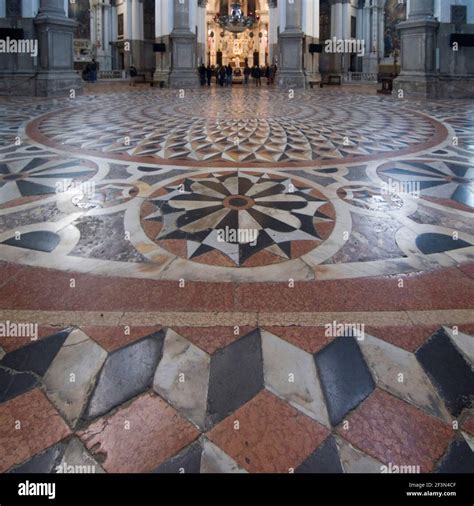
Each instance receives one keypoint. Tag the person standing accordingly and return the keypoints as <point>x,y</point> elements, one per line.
<point>257,75</point>
<point>247,73</point>
<point>228,75</point>
<point>209,75</point>
<point>202,74</point>
<point>93,71</point>
<point>222,76</point>
<point>272,74</point>
<point>133,75</point>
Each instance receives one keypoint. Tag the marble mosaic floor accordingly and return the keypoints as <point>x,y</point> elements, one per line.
<point>165,343</point>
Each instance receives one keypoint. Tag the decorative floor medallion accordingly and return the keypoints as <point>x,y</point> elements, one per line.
<point>238,218</point>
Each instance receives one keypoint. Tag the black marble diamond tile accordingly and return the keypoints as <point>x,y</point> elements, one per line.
<point>345,378</point>
<point>186,461</point>
<point>236,375</point>
<point>13,383</point>
<point>458,459</point>
<point>449,371</point>
<point>37,356</point>
<point>42,240</point>
<point>45,462</point>
<point>324,459</point>
<point>435,243</point>
<point>126,372</point>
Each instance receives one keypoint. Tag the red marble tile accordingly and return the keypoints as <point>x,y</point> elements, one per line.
<point>155,432</point>
<point>310,339</point>
<point>468,269</point>
<point>215,258</point>
<point>40,424</point>
<point>272,436</point>
<point>396,432</point>
<point>440,289</point>
<point>300,248</point>
<point>467,328</point>
<point>211,339</point>
<point>468,424</point>
<point>47,289</point>
<point>262,258</point>
<point>409,338</point>
<point>112,338</point>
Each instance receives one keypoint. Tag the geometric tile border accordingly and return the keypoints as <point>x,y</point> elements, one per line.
<point>256,404</point>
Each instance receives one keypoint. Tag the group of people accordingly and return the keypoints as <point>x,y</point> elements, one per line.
<point>224,74</point>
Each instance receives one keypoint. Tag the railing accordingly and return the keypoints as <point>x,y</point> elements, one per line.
<point>112,74</point>
<point>350,77</point>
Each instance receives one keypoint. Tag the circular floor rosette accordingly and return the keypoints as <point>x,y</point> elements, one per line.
<point>448,184</point>
<point>220,129</point>
<point>31,179</point>
<point>238,219</point>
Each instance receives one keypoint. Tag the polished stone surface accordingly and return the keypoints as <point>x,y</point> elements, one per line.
<point>450,371</point>
<point>236,375</point>
<point>71,376</point>
<point>126,373</point>
<point>345,378</point>
<point>193,350</point>
<point>144,189</point>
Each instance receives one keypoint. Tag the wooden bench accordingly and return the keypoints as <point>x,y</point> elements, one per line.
<point>314,82</point>
<point>334,79</point>
<point>159,84</point>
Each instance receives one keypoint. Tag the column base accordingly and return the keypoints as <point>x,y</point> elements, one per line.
<point>57,83</point>
<point>455,86</point>
<point>184,71</point>
<point>56,76</point>
<point>183,79</point>
<point>290,74</point>
<point>291,80</point>
<point>416,85</point>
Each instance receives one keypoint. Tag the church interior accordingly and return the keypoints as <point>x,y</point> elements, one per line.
<point>237,237</point>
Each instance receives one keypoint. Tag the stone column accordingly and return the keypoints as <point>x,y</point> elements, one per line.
<point>107,29</point>
<point>369,60</point>
<point>337,31</point>
<point>135,35</point>
<point>55,33</point>
<point>163,27</point>
<point>418,75</point>
<point>290,73</point>
<point>346,32</point>
<point>202,32</point>
<point>273,31</point>
<point>183,49</point>
<point>312,35</point>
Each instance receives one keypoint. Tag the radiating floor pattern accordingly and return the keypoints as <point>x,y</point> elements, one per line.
<point>197,265</point>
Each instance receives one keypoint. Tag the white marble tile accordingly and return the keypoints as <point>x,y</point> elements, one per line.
<point>182,377</point>
<point>290,373</point>
<point>71,375</point>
